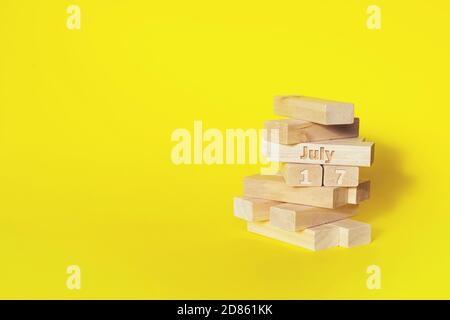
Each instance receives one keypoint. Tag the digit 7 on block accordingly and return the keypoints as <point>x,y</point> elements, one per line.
<point>340,176</point>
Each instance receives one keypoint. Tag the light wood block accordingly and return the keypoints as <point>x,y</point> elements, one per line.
<point>316,110</point>
<point>253,209</point>
<point>317,238</point>
<point>359,193</point>
<point>355,139</point>
<point>353,233</point>
<point>274,188</point>
<point>292,131</point>
<point>340,176</point>
<point>346,152</point>
<point>303,175</point>
<point>296,217</point>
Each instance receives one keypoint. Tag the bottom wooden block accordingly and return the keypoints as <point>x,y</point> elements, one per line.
<point>253,209</point>
<point>295,217</point>
<point>353,233</point>
<point>317,238</point>
<point>344,233</point>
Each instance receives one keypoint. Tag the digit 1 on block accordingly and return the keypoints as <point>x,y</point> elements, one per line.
<point>340,176</point>
<point>303,175</point>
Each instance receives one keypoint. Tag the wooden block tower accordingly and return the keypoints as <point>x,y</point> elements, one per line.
<point>310,202</point>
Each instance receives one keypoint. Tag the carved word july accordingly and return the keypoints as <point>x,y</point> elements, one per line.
<point>314,154</point>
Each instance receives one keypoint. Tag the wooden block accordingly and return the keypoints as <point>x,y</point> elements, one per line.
<point>274,188</point>
<point>355,139</point>
<point>303,175</point>
<point>253,209</point>
<point>353,233</point>
<point>340,176</point>
<point>315,110</point>
<point>317,238</point>
<point>292,131</point>
<point>296,217</point>
<point>344,152</point>
<point>359,193</point>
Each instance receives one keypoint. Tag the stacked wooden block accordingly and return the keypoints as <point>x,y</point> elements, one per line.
<point>309,202</point>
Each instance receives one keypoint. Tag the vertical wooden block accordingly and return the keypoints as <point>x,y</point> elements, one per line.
<point>340,176</point>
<point>253,209</point>
<point>359,193</point>
<point>316,110</point>
<point>292,131</point>
<point>353,233</point>
<point>317,238</point>
<point>274,188</point>
<point>295,217</point>
<point>302,175</point>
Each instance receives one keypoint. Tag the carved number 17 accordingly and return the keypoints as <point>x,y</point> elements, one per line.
<point>340,173</point>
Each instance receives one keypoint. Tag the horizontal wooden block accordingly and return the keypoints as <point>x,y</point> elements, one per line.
<point>303,175</point>
<point>253,209</point>
<point>346,152</point>
<point>353,233</point>
<point>296,217</point>
<point>274,188</point>
<point>355,139</point>
<point>314,109</point>
<point>317,238</point>
<point>340,176</point>
<point>359,193</point>
<point>292,131</point>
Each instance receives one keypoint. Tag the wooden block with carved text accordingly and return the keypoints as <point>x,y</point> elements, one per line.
<point>253,209</point>
<point>303,175</point>
<point>296,217</point>
<point>293,131</point>
<point>340,176</point>
<point>316,110</point>
<point>274,188</point>
<point>317,238</point>
<point>345,152</point>
<point>359,193</point>
<point>353,233</point>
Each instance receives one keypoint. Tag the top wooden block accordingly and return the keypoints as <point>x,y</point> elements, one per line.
<point>314,110</point>
<point>293,131</point>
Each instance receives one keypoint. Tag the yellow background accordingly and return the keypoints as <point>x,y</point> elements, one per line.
<point>86,117</point>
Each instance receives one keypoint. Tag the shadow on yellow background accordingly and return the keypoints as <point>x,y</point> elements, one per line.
<point>390,183</point>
